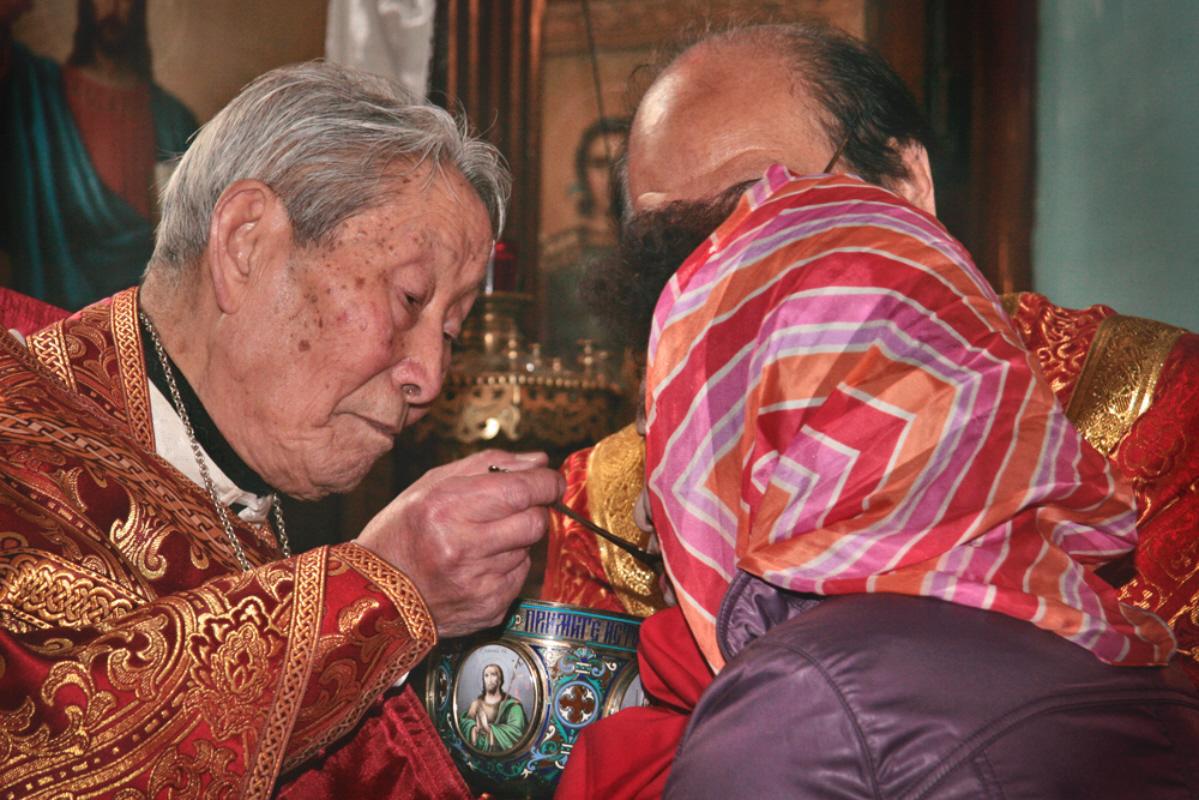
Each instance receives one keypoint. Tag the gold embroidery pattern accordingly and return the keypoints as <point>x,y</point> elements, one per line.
<point>231,667</point>
<point>397,587</point>
<point>32,423</point>
<point>308,606</point>
<point>189,659</point>
<point>1057,337</point>
<point>1118,378</point>
<point>349,631</point>
<point>139,537</point>
<point>183,776</point>
<point>48,505</point>
<point>38,591</point>
<point>615,478</point>
<point>132,366</point>
<point>49,346</point>
<point>340,682</point>
<point>354,699</point>
<point>92,361</point>
<point>79,757</point>
<point>31,427</point>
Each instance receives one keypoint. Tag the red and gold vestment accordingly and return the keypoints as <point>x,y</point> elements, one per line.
<point>136,658</point>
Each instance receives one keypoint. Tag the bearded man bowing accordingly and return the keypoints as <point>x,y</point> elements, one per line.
<point>880,526</point>
<point>321,243</point>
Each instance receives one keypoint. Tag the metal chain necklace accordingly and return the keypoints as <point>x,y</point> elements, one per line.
<point>221,510</point>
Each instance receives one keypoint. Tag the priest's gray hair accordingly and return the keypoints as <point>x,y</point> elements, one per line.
<point>327,140</point>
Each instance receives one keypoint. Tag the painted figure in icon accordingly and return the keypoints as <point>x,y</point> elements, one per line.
<point>87,146</point>
<point>495,720</point>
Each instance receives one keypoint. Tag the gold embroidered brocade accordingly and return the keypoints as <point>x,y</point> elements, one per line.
<point>615,477</point>
<point>138,660</point>
<point>1117,374</point>
<point>1118,378</point>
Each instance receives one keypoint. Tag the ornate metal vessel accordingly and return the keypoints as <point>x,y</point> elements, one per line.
<point>510,706</point>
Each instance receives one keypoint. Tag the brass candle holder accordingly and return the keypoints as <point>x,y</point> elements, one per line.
<point>502,392</point>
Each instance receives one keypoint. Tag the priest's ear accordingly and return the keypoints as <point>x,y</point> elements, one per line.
<point>917,187</point>
<point>249,236</point>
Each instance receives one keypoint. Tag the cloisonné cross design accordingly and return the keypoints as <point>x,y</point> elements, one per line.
<point>576,704</point>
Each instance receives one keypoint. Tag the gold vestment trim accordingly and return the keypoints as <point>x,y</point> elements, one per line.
<point>422,631</point>
<point>615,478</point>
<point>49,347</point>
<point>131,362</point>
<point>308,606</point>
<point>1118,378</point>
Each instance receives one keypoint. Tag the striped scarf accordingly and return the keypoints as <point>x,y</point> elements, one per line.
<point>837,404</point>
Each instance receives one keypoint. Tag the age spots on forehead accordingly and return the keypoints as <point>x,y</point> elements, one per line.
<point>360,281</point>
<point>305,345</point>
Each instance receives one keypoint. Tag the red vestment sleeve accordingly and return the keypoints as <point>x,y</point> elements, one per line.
<point>205,691</point>
<point>574,570</point>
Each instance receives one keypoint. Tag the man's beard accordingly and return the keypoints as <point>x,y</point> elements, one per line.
<point>623,289</point>
<point>114,38</point>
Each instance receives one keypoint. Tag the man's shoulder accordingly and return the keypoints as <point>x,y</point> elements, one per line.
<point>907,661</point>
<point>23,56</point>
<point>29,72</point>
<point>935,644</point>
<point>902,692</point>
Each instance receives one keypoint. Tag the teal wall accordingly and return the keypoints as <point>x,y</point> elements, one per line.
<point>1117,208</point>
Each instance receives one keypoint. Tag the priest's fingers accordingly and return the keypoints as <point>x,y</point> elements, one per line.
<point>485,499</point>
<point>518,531</point>
<point>457,537</point>
<point>461,612</point>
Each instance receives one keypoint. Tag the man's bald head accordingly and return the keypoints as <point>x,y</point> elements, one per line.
<point>722,112</point>
<point>736,102</point>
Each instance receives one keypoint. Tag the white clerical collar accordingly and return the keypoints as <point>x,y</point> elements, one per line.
<point>172,444</point>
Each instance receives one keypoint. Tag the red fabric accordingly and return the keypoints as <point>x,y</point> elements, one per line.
<point>1160,456</point>
<point>188,676</point>
<point>628,755</point>
<point>393,753</point>
<point>574,571</point>
<point>1059,338</point>
<point>26,314</point>
<point>117,128</point>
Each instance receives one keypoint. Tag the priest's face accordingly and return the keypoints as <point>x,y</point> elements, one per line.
<point>360,330</point>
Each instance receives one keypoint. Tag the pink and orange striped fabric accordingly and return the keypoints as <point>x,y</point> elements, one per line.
<point>837,404</point>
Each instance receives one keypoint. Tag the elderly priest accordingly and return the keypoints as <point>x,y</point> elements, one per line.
<point>320,244</point>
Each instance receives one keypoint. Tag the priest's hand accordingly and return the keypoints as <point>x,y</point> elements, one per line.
<point>462,535</point>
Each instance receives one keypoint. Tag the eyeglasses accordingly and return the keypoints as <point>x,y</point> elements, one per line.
<point>838,152</point>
